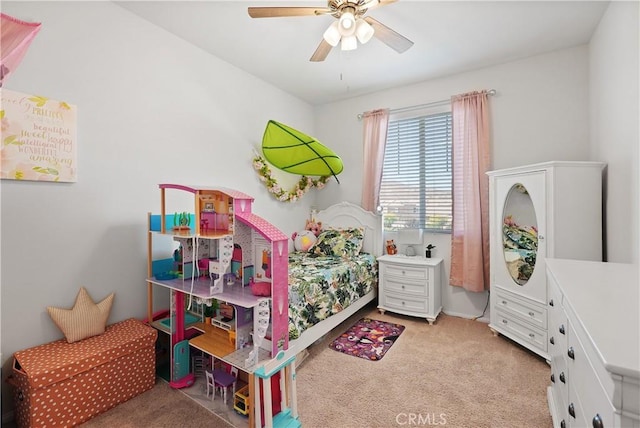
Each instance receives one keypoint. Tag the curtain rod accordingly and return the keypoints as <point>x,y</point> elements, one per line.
<point>431,104</point>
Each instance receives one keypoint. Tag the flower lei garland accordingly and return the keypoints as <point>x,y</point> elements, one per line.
<point>302,186</point>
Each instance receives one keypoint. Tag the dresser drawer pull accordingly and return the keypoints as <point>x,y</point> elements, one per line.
<point>403,272</point>
<point>504,302</point>
<point>563,424</point>
<point>572,410</point>
<point>570,353</point>
<point>504,321</point>
<point>403,287</point>
<point>532,314</point>
<point>597,421</point>
<point>402,303</point>
<point>531,335</point>
<point>551,341</point>
<point>553,378</point>
<point>551,302</point>
<point>561,329</point>
<point>562,377</point>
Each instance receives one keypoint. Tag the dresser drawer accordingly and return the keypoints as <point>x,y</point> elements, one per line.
<point>394,285</point>
<point>405,303</point>
<point>561,378</point>
<point>530,312</point>
<point>592,396</point>
<point>522,330</point>
<point>405,272</point>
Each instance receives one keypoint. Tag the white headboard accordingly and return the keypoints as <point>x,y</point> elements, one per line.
<point>346,214</point>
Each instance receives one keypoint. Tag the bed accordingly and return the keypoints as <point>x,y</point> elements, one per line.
<point>324,290</point>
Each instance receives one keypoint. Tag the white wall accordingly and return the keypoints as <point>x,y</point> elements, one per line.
<point>614,111</point>
<point>540,113</point>
<point>151,109</point>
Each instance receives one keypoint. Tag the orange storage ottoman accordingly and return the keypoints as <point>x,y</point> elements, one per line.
<point>62,384</point>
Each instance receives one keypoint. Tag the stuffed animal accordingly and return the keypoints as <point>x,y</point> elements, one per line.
<point>314,226</point>
<point>391,247</point>
<point>304,240</point>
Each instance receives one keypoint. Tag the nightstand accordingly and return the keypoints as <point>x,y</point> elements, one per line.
<point>410,285</point>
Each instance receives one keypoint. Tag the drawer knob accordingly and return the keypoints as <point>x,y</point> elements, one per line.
<point>572,410</point>
<point>553,378</point>
<point>551,302</point>
<point>531,335</point>
<point>403,272</point>
<point>504,302</point>
<point>531,314</point>
<point>563,424</point>
<point>552,341</point>
<point>403,287</point>
<point>562,377</point>
<point>504,321</point>
<point>571,353</point>
<point>597,421</point>
<point>561,329</point>
<point>402,303</point>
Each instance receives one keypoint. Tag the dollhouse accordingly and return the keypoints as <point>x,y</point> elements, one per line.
<point>215,253</point>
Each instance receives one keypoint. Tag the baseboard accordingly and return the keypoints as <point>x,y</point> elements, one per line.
<point>483,319</point>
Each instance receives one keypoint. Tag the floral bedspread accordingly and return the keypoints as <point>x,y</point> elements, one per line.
<point>324,285</point>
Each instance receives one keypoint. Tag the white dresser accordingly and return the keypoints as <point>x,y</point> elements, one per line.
<point>550,209</point>
<point>410,285</point>
<point>594,344</point>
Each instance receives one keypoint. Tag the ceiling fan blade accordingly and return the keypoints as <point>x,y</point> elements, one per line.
<point>277,12</point>
<point>321,52</point>
<point>389,37</point>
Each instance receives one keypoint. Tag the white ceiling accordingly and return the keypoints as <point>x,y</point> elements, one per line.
<point>449,36</point>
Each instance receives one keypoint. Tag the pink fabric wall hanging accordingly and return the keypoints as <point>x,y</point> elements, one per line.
<point>15,38</point>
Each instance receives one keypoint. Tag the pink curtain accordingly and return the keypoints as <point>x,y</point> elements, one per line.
<point>15,38</point>
<point>375,139</point>
<point>470,235</point>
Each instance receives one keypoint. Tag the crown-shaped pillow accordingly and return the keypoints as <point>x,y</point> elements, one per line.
<point>85,319</point>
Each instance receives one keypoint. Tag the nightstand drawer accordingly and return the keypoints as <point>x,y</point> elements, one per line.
<point>405,303</point>
<point>406,272</point>
<point>397,285</point>
<point>530,312</point>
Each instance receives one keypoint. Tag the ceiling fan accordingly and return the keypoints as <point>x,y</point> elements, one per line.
<point>351,25</point>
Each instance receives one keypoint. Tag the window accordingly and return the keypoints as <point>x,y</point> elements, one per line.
<point>416,177</point>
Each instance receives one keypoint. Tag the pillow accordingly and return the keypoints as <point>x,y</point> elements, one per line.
<point>304,240</point>
<point>85,319</point>
<point>344,243</point>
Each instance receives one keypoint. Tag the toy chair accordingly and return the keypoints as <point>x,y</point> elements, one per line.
<point>211,385</point>
<point>223,381</point>
<point>234,373</point>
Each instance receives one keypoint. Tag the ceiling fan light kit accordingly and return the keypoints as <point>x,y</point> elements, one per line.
<point>364,31</point>
<point>349,43</point>
<point>332,34</point>
<point>349,28</point>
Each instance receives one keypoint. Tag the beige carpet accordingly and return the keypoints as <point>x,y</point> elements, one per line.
<point>454,374</point>
<point>160,407</point>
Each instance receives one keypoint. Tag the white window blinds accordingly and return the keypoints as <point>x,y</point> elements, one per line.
<point>416,179</point>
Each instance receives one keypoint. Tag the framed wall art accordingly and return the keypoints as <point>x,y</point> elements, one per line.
<point>38,138</point>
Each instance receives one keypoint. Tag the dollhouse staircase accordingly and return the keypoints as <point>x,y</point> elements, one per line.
<point>219,266</point>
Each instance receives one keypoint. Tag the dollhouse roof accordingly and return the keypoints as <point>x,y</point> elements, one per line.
<point>266,229</point>
<point>193,189</point>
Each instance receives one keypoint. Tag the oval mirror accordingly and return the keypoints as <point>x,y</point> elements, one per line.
<point>519,234</point>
